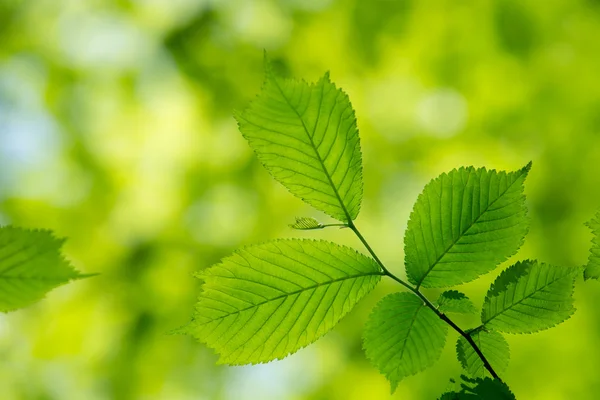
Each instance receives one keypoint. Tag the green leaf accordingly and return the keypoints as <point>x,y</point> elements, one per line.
<point>269,300</point>
<point>480,389</point>
<point>306,223</point>
<point>528,297</point>
<point>306,137</point>
<point>592,270</point>
<point>30,266</point>
<point>403,336</point>
<point>463,224</point>
<point>456,302</point>
<point>493,346</point>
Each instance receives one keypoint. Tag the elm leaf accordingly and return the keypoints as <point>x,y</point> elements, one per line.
<point>455,302</point>
<point>403,336</point>
<point>480,389</point>
<point>528,297</point>
<point>31,264</point>
<point>306,224</point>
<point>267,301</point>
<point>493,346</point>
<point>464,224</point>
<point>306,137</point>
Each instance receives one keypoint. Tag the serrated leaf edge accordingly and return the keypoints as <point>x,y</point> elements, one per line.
<point>270,74</point>
<point>573,309</point>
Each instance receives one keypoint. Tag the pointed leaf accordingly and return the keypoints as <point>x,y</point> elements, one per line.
<point>306,137</point>
<point>403,336</point>
<point>30,265</point>
<point>306,223</point>
<point>456,302</point>
<point>463,224</point>
<point>493,346</point>
<point>528,297</point>
<point>592,270</point>
<point>269,300</point>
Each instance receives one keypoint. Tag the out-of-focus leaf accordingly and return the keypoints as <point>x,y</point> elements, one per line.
<point>31,264</point>
<point>592,269</point>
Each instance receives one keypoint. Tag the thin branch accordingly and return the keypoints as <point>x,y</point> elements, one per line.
<point>428,303</point>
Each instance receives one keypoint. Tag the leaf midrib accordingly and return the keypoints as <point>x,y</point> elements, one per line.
<point>294,293</point>
<point>466,230</point>
<point>313,146</point>
<point>410,327</point>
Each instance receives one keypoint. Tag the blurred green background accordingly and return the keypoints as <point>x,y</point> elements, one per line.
<point>116,131</point>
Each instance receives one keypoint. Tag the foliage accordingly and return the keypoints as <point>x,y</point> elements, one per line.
<point>492,344</point>
<point>592,270</point>
<point>528,297</point>
<point>116,131</point>
<point>30,265</point>
<point>454,301</point>
<point>306,137</point>
<point>267,301</point>
<point>305,223</point>
<point>480,389</point>
<point>463,225</point>
<point>403,336</point>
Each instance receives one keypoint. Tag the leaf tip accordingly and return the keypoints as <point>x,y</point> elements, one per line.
<point>587,275</point>
<point>393,386</point>
<point>268,65</point>
<point>266,59</point>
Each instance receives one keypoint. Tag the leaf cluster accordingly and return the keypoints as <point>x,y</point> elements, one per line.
<point>269,300</point>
